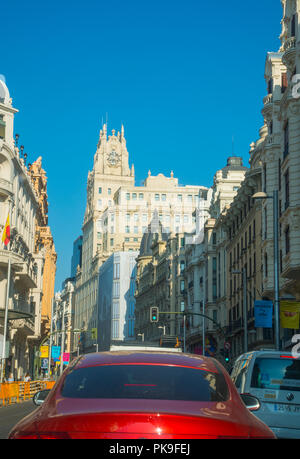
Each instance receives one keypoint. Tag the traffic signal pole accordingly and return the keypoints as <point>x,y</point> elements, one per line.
<point>185,314</point>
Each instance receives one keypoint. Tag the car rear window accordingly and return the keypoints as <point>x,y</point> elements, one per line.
<point>277,374</point>
<point>145,382</point>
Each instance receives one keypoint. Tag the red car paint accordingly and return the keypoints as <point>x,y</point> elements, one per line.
<point>63,417</point>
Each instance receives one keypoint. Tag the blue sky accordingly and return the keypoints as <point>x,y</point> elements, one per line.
<point>183,77</point>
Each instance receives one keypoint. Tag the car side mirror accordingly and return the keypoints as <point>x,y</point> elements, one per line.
<point>251,402</point>
<point>40,397</point>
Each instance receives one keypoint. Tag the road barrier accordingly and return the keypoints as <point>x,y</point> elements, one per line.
<point>16,392</point>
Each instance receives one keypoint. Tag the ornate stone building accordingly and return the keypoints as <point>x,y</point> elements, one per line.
<point>18,199</point>
<point>118,213</point>
<point>44,242</point>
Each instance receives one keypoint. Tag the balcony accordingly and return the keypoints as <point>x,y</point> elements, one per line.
<point>5,187</point>
<point>289,52</point>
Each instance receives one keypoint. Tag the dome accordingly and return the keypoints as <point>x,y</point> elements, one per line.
<point>4,93</point>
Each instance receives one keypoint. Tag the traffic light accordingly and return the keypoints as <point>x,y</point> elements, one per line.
<point>226,355</point>
<point>154,314</point>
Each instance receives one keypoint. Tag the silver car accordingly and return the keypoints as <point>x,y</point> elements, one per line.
<point>274,378</point>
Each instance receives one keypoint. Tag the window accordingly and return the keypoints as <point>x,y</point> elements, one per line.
<point>182,266</point>
<point>265,177</point>
<point>179,197</point>
<point>116,289</point>
<point>270,86</point>
<point>190,198</point>
<point>111,242</point>
<point>287,189</point>
<point>276,374</point>
<point>157,197</point>
<point>141,196</point>
<point>127,229</point>
<point>99,204</point>
<point>100,190</point>
<point>287,240</point>
<point>182,306</point>
<point>153,382</point>
<point>117,271</point>
<point>293,26</point>
<point>182,285</point>
<point>127,196</point>
<point>279,174</point>
<point>286,140</point>
<point>109,190</point>
<point>266,265</point>
<point>163,197</point>
<point>134,196</point>
<point>284,82</point>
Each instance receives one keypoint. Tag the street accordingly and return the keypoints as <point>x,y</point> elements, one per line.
<point>10,415</point>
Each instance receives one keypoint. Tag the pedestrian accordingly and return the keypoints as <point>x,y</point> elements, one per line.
<point>27,377</point>
<point>10,378</point>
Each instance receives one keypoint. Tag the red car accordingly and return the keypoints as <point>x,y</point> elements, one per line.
<point>138,394</point>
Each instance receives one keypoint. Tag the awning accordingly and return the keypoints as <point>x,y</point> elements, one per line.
<point>14,314</point>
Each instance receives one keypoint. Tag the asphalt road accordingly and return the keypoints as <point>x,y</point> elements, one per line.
<point>10,415</point>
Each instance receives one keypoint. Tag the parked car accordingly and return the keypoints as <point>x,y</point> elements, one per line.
<point>140,394</point>
<point>274,378</point>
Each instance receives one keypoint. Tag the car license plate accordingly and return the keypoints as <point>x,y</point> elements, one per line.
<point>284,408</point>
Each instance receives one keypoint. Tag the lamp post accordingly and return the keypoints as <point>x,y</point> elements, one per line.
<point>262,195</point>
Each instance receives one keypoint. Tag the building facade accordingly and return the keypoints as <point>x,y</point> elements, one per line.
<point>162,275</point>
<point>118,214</point>
<point>19,200</point>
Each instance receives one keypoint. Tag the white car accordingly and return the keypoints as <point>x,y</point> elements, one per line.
<point>274,378</point>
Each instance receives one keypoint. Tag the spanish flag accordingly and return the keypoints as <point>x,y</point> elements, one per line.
<point>6,232</point>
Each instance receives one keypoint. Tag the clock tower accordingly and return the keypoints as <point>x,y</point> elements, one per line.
<point>111,157</point>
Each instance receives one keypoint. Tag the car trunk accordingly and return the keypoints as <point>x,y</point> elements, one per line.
<point>146,419</point>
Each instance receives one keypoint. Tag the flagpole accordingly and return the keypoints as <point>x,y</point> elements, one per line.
<point>6,313</point>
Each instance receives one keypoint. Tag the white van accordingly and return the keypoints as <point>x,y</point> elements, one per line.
<point>274,378</point>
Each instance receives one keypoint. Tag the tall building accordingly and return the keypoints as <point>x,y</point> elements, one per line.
<point>206,270</point>
<point>161,275</point>
<point>116,301</point>
<point>118,214</point>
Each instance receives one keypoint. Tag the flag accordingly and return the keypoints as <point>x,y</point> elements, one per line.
<point>290,314</point>
<point>6,232</point>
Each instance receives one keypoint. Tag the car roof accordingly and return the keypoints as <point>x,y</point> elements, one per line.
<point>264,353</point>
<point>147,357</point>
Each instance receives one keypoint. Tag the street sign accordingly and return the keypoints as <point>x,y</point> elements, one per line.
<point>44,352</point>
<point>55,353</point>
<point>263,312</point>
<point>66,358</point>
<point>44,363</point>
<point>227,346</point>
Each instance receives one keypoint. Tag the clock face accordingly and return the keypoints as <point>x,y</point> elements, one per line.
<point>113,158</point>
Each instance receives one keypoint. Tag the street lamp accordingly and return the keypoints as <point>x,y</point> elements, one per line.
<point>262,195</point>
<point>245,310</point>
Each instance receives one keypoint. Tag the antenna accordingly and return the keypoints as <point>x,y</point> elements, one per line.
<point>232,145</point>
